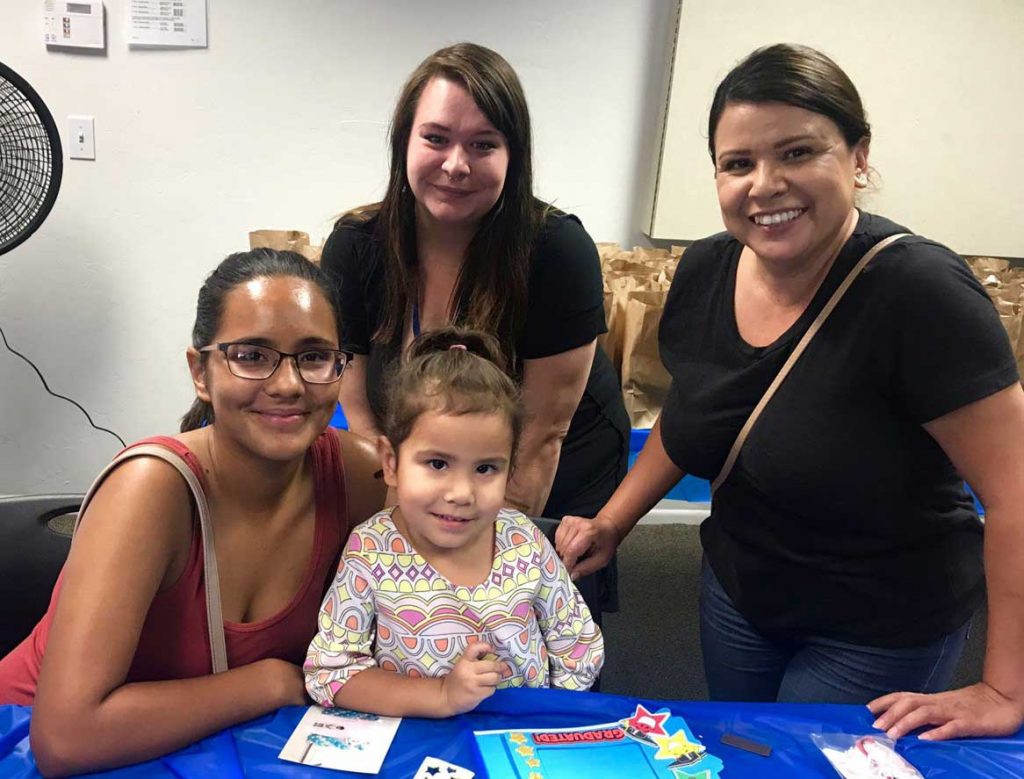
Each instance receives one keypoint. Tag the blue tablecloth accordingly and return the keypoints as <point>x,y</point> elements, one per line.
<point>250,750</point>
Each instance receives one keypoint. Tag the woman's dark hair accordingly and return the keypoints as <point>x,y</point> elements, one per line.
<point>490,293</point>
<point>798,76</point>
<point>452,370</point>
<point>237,269</point>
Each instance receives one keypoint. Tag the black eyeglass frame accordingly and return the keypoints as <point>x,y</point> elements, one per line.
<point>224,346</point>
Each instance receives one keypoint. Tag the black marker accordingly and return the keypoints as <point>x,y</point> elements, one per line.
<point>746,744</point>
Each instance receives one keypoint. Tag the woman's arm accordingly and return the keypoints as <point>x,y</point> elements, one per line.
<point>132,542</point>
<point>985,441</point>
<point>354,401</point>
<point>552,388</point>
<point>586,545</point>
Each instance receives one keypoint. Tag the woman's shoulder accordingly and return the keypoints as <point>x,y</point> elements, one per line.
<point>353,237</point>
<point>143,459</point>
<point>710,251</point>
<point>703,265</point>
<point>146,497</point>
<point>564,261</point>
<point>563,238</point>
<point>360,469</point>
<point>912,259</point>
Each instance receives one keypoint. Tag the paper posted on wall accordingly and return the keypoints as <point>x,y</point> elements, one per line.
<point>167,23</point>
<point>341,739</point>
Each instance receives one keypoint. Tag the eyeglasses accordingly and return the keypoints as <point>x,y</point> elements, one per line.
<point>249,361</point>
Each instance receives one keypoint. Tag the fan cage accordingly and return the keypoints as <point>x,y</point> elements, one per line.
<point>31,160</point>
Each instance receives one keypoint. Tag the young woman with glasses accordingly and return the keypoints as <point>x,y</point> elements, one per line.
<point>119,669</point>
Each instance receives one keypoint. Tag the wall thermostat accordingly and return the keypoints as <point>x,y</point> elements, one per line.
<point>73,24</point>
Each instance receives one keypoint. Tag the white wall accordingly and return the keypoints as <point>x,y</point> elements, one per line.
<point>941,81</point>
<point>279,123</point>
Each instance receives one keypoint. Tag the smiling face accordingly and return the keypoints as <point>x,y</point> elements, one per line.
<point>450,474</point>
<point>786,180</point>
<point>280,417</point>
<point>456,161</point>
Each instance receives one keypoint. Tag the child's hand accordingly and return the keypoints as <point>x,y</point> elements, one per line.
<point>471,680</point>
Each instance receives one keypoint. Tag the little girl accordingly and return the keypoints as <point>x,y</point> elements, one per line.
<point>447,596</point>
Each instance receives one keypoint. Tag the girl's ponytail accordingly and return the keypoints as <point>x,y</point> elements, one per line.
<point>453,370</point>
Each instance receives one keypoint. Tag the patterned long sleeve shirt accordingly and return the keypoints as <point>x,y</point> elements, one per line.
<point>389,608</point>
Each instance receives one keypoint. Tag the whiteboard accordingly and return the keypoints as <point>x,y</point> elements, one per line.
<point>942,82</point>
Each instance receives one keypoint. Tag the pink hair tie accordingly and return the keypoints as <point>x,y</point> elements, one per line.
<point>458,346</point>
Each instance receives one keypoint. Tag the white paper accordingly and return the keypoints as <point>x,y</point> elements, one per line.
<point>167,23</point>
<point>341,739</point>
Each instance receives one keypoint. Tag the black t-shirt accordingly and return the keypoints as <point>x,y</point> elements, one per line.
<point>565,310</point>
<point>842,517</point>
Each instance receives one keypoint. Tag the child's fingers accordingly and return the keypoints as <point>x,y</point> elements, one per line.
<point>476,650</point>
<point>488,679</point>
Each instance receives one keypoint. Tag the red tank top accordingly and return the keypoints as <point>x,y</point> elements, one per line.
<point>175,642</point>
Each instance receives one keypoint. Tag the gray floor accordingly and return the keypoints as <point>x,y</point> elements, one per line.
<point>652,643</point>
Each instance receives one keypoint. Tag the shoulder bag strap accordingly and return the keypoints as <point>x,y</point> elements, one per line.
<point>211,577</point>
<point>780,377</point>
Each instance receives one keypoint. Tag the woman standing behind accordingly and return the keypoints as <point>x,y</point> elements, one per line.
<point>459,238</point>
<point>843,557</point>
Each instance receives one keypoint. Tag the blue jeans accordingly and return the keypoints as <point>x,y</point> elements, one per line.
<point>743,664</point>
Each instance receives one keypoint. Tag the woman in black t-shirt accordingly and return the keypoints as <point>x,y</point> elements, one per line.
<point>459,238</point>
<point>843,557</point>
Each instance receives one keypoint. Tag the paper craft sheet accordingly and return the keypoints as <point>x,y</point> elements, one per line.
<point>341,739</point>
<point>646,745</point>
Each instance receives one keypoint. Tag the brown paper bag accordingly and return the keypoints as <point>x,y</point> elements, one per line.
<point>1005,286</point>
<point>617,286</point>
<point>644,379</point>
<point>285,240</point>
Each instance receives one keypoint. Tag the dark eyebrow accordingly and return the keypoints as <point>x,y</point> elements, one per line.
<point>778,145</point>
<point>438,454</point>
<point>442,128</point>
<point>794,139</point>
<point>310,342</point>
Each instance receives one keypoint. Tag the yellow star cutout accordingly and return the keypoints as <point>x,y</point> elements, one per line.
<point>525,751</point>
<point>675,746</point>
<point>533,763</point>
<point>536,775</point>
<point>517,738</point>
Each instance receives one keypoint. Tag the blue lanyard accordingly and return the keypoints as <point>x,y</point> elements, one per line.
<point>415,319</point>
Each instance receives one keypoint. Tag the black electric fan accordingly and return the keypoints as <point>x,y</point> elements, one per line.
<point>31,160</point>
<point>31,164</point>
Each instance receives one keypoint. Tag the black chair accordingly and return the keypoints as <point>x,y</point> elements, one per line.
<point>35,535</point>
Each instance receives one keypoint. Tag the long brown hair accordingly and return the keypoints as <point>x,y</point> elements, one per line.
<point>490,292</point>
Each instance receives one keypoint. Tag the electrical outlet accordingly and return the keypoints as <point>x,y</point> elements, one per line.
<point>81,138</point>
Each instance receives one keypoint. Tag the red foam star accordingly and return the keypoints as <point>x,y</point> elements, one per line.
<point>648,723</point>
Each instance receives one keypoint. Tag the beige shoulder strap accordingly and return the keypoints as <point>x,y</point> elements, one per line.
<point>214,617</point>
<point>795,355</point>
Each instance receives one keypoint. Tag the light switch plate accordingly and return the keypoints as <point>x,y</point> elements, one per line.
<point>81,138</point>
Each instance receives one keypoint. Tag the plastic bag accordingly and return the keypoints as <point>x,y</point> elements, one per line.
<point>864,757</point>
